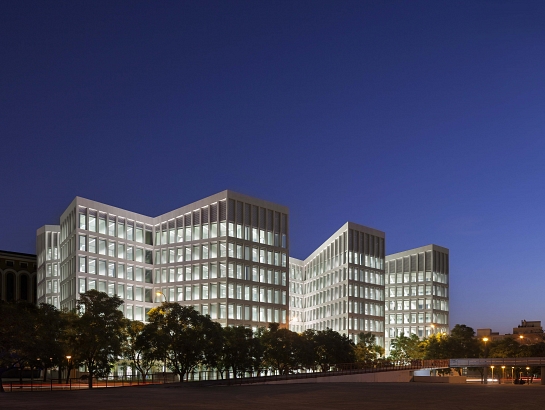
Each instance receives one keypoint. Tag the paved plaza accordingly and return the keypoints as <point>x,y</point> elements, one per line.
<point>294,396</point>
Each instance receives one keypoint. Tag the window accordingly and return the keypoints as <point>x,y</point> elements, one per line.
<point>102,268</point>
<point>82,243</point>
<point>82,264</point>
<point>111,227</point>
<point>102,247</point>
<point>92,265</point>
<point>111,249</point>
<point>121,230</point>
<point>111,270</point>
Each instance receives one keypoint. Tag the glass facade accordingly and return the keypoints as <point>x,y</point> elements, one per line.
<point>226,255</point>
<point>417,292</point>
<point>341,285</point>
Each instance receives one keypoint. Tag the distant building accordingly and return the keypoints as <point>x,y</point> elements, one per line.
<point>417,292</point>
<point>528,332</point>
<point>17,276</point>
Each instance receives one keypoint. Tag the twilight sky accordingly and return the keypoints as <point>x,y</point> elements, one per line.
<point>424,119</point>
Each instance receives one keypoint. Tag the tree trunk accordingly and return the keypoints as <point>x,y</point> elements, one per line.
<point>45,374</point>
<point>90,380</point>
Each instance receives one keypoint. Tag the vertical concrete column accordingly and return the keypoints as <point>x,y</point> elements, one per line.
<point>485,375</point>
<point>542,374</point>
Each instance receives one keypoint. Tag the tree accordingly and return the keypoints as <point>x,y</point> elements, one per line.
<point>182,337</point>
<point>367,350</point>
<point>48,343</point>
<point>406,348</point>
<point>96,336</point>
<point>137,347</point>
<point>17,335</point>
<point>241,351</point>
<point>281,348</point>
<point>506,347</point>
<point>333,348</point>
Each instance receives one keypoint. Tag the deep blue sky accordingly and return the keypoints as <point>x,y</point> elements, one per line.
<point>422,119</point>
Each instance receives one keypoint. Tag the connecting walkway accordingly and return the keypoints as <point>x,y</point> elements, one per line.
<point>488,362</point>
<point>349,369</point>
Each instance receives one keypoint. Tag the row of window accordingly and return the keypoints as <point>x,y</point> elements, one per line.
<point>409,318</point>
<point>416,277</point>
<point>421,290</point>
<point>230,270</point>
<point>127,230</point>
<point>123,230</point>
<point>341,291</point>
<point>182,254</point>
<point>339,308</point>
<point>223,290</point>
<point>420,331</point>
<point>417,304</point>
<point>181,274</point>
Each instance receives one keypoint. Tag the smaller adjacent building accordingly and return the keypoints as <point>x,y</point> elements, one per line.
<point>48,273</point>
<point>417,293</point>
<point>17,276</point>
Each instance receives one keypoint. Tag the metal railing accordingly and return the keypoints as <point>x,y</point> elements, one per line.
<point>82,383</point>
<point>211,377</point>
<point>337,370</point>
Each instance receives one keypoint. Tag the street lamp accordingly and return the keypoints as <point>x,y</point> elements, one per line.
<point>503,373</point>
<point>159,293</point>
<point>527,379</point>
<point>68,369</point>
<point>492,367</point>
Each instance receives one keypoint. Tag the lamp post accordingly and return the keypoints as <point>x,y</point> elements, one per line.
<point>527,378</point>
<point>68,368</point>
<point>485,375</point>
<point>159,293</point>
<point>503,373</point>
<point>492,367</point>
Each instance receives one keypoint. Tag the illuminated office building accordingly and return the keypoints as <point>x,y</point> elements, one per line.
<point>226,255</point>
<point>417,292</point>
<point>341,285</point>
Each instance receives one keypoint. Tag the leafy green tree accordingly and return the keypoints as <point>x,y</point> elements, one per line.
<point>137,347</point>
<point>281,348</point>
<point>183,338</point>
<point>241,351</point>
<point>507,347</point>
<point>308,353</point>
<point>333,348</point>
<point>367,350</point>
<point>462,343</point>
<point>406,348</point>
<point>96,335</point>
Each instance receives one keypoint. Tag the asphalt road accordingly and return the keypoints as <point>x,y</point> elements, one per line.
<point>378,396</point>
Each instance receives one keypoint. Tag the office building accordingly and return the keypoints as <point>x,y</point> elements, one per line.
<point>226,255</point>
<point>48,257</point>
<point>417,292</point>
<point>341,284</point>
